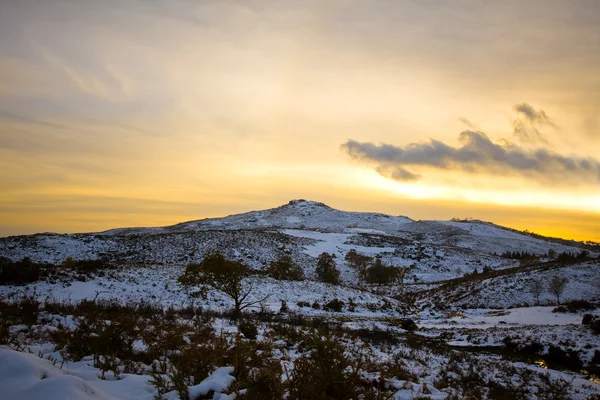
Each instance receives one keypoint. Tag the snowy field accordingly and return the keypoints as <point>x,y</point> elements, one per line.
<point>449,326</point>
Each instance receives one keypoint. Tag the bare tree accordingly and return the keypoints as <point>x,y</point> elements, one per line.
<point>557,286</point>
<point>536,287</point>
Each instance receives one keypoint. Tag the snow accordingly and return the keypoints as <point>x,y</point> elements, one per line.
<point>434,250</point>
<point>217,382</point>
<point>486,318</point>
<point>25,376</point>
<point>333,243</point>
<point>151,259</point>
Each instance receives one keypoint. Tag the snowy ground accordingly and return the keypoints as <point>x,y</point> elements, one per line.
<point>26,376</point>
<point>484,312</point>
<point>32,376</point>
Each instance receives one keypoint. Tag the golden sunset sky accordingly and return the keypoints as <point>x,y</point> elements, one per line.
<point>123,113</point>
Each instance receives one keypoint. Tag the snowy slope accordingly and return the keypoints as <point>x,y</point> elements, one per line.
<point>301,214</point>
<point>434,250</point>
<point>513,290</point>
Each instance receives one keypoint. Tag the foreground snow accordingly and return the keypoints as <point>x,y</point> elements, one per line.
<point>25,376</point>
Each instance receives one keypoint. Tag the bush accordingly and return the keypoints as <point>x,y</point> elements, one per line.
<point>381,274</point>
<point>557,358</point>
<point>248,329</point>
<point>327,372</point>
<point>579,305</point>
<point>265,383</point>
<point>587,319</point>
<point>327,270</point>
<point>284,307</point>
<point>20,272</point>
<point>596,358</point>
<point>407,324</point>
<point>593,322</point>
<point>334,305</point>
<point>285,269</point>
<point>534,348</point>
<point>316,305</point>
<point>575,306</point>
<point>595,325</point>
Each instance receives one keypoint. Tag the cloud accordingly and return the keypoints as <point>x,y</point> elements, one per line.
<point>526,127</point>
<point>478,154</point>
<point>467,123</point>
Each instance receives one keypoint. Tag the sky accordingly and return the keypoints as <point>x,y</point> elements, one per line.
<point>151,112</point>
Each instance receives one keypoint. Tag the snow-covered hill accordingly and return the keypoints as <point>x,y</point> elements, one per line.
<point>455,311</point>
<point>297,214</point>
<point>434,250</point>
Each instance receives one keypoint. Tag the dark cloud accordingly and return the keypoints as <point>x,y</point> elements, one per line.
<point>478,154</point>
<point>531,113</point>
<point>526,127</point>
<point>396,173</point>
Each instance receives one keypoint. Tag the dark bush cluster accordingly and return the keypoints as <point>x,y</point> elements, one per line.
<point>519,255</point>
<point>334,305</point>
<point>381,274</point>
<point>328,372</point>
<point>574,306</point>
<point>555,357</point>
<point>327,270</point>
<point>26,271</point>
<point>593,322</point>
<point>248,329</point>
<point>570,258</point>
<point>285,269</point>
<point>21,272</point>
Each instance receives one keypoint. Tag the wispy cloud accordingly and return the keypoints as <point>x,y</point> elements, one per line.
<point>7,115</point>
<point>478,154</point>
<point>527,125</point>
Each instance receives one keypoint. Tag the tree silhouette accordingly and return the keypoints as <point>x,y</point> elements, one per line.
<point>285,269</point>
<point>327,270</point>
<point>557,286</point>
<point>223,275</point>
<point>536,287</point>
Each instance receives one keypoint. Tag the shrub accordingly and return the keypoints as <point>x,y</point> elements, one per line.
<point>327,270</point>
<point>358,261</point>
<point>579,305</point>
<point>558,358</point>
<point>316,305</point>
<point>284,307</point>
<point>327,372</point>
<point>555,389</point>
<point>407,324</point>
<point>595,325</point>
<point>20,272</point>
<point>248,329</point>
<point>587,319</point>
<point>593,322</point>
<point>509,344</point>
<point>334,305</point>
<point>265,383</point>
<point>87,266</point>
<point>285,269</point>
<point>534,348</point>
<point>596,358</point>
<point>381,274</point>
